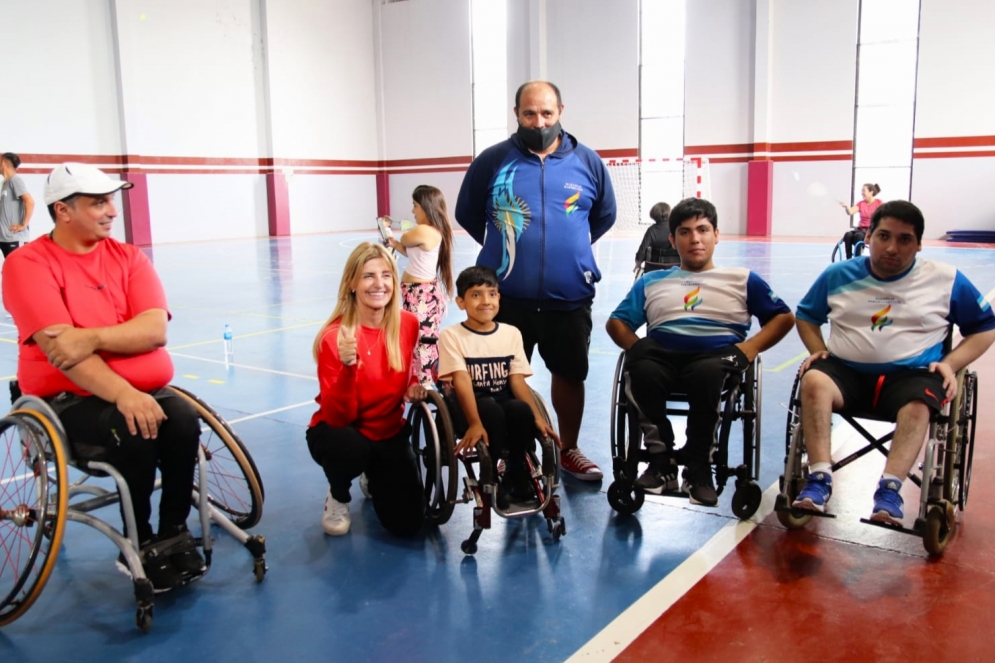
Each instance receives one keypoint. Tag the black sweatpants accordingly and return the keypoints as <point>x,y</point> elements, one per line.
<point>511,430</point>
<point>850,239</point>
<point>653,373</point>
<point>390,466</point>
<point>98,431</point>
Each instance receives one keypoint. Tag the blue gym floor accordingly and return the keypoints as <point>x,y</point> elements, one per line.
<point>367,596</point>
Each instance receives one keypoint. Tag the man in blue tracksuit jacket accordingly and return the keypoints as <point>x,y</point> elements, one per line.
<point>536,203</point>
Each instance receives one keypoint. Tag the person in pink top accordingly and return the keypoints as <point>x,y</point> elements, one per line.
<point>364,354</point>
<point>91,320</point>
<point>866,208</point>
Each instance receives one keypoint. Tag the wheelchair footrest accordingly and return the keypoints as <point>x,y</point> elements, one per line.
<point>891,527</point>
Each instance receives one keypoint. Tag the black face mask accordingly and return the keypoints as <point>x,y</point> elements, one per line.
<point>539,140</point>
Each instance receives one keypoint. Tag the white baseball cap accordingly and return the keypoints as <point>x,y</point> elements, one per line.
<point>79,178</point>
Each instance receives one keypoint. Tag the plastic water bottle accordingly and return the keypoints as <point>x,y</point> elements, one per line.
<point>229,346</point>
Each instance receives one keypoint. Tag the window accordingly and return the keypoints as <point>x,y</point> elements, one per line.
<point>887,54</point>
<point>489,51</point>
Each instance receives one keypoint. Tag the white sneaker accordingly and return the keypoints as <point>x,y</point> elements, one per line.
<point>364,485</point>
<point>335,519</point>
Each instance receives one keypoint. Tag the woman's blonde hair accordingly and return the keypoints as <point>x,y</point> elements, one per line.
<point>347,309</point>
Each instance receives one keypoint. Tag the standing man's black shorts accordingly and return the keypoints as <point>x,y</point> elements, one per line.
<point>883,395</point>
<point>563,337</point>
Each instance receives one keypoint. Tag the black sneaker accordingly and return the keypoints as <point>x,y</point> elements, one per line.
<point>182,552</point>
<point>521,488</point>
<point>699,487</point>
<point>158,569</point>
<point>659,477</point>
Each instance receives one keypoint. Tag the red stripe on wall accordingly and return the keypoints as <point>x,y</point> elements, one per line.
<point>955,141</point>
<point>953,155</point>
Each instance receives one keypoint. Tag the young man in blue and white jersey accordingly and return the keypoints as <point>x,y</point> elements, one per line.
<point>698,317</point>
<point>889,314</point>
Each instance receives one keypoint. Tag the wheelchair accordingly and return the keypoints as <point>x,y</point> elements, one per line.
<point>434,439</point>
<point>741,400</point>
<point>944,475</point>
<point>655,259</point>
<point>38,496</point>
<point>839,251</point>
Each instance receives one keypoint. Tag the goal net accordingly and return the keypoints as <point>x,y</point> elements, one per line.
<point>641,183</point>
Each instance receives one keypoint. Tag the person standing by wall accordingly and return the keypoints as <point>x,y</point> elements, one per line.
<point>16,205</point>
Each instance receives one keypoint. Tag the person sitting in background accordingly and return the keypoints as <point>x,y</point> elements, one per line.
<point>866,207</point>
<point>656,251</point>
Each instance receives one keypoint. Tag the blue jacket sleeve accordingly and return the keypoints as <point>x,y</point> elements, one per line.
<point>471,204</point>
<point>969,309</point>
<point>604,209</point>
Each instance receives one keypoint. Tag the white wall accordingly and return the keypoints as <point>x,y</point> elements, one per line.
<point>191,72</point>
<point>60,94</point>
<point>718,83</point>
<point>197,207</point>
<point>329,203</point>
<point>322,83</point>
<point>593,57</point>
<point>954,104</point>
<point>425,79</point>
<point>813,49</point>
<point>806,198</point>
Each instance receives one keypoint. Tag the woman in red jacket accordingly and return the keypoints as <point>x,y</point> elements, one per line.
<point>364,355</point>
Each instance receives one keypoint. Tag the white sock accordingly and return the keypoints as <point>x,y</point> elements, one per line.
<point>821,467</point>
<point>891,476</point>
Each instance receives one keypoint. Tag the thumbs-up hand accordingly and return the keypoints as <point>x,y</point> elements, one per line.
<point>347,346</point>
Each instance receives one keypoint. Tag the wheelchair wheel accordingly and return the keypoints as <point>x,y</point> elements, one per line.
<point>618,426</point>
<point>838,253</point>
<point>33,504</point>
<point>960,442</point>
<point>938,528</point>
<point>795,464</point>
<point>544,411</point>
<point>434,443</point>
<point>746,500</point>
<point>625,502</point>
<point>234,485</point>
<point>752,402</point>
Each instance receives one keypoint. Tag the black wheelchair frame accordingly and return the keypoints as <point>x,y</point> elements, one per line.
<point>434,442</point>
<point>738,404</point>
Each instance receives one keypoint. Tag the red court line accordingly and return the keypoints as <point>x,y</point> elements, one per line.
<point>809,594</point>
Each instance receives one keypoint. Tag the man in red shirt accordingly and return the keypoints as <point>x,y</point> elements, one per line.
<point>91,332</point>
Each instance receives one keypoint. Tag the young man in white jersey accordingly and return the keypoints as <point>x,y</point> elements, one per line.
<point>698,317</point>
<point>889,315</point>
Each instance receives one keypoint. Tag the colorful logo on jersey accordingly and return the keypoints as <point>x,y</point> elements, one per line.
<point>880,320</point>
<point>570,204</point>
<point>511,216</point>
<point>692,300</point>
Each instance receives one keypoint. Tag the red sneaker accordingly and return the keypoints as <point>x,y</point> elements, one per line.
<point>573,461</point>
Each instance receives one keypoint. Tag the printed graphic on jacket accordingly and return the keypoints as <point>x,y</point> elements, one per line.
<point>511,216</point>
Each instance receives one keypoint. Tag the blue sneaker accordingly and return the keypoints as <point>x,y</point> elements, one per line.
<point>817,491</point>
<point>888,503</point>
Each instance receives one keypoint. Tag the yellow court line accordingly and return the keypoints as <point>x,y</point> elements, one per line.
<point>7,377</point>
<point>790,362</point>
<point>8,340</point>
<point>258,333</point>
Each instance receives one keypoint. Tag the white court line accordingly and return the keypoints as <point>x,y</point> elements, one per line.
<point>269,412</point>
<point>624,629</point>
<point>251,368</point>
